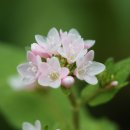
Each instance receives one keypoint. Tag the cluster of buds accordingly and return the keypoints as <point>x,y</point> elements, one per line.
<point>58,59</point>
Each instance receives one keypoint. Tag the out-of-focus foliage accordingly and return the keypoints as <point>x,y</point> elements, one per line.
<point>47,106</point>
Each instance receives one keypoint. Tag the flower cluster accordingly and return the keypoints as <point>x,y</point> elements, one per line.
<point>58,59</point>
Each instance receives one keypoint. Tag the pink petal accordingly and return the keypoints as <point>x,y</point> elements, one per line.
<point>44,69</point>
<point>38,50</point>
<point>64,72</point>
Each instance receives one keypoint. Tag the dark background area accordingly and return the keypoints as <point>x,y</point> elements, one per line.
<point>106,21</point>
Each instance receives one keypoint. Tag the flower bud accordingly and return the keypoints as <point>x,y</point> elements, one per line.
<point>67,81</point>
<point>114,83</point>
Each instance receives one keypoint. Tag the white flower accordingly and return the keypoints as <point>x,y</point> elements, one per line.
<point>52,73</point>
<point>28,126</point>
<point>72,46</point>
<point>87,69</point>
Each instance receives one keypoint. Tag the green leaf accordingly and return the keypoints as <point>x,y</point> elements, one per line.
<point>122,71</point>
<point>98,124</point>
<point>98,94</point>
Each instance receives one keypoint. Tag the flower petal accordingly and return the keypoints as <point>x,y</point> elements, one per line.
<point>25,70</point>
<point>31,57</point>
<point>40,40</point>
<point>55,84</point>
<point>89,43</point>
<point>38,50</point>
<point>37,125</point>
<point>95,68</point>
<point>91,79</point>
<point>64,72</point>
<point>54,63</point>
<point>28,126</point>
<point>53,33</point>
<point>74,31</point>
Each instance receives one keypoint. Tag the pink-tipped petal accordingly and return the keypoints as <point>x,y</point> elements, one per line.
<point>67,81</point>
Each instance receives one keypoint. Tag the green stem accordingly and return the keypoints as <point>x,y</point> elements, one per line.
<point>75,110</point>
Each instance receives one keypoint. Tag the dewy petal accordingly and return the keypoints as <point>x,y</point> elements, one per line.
<point>89,43</point>
<point>91,79</point>
<point>95,68</point>
<point>64,72</point>
<point>55,84</point>
<point>28,126</point>
<point>40,40</point>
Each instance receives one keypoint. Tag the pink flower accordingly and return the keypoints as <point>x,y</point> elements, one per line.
<point>72,46</point>
<point>28,126</point>
<point>87,69</point>
<point>47,45</point>
<point>52,73</point>
<point>29,71</point>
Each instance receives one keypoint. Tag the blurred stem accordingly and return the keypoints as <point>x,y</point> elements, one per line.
<point>75,110</point>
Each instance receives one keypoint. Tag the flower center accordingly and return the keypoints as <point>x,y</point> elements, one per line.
<point>54,75</point>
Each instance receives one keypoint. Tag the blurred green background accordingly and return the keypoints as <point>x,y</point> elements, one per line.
<point>106,21</point>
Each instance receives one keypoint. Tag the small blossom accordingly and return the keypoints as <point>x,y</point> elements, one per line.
<point>87,69</point>
<point>29,70</point>
<point>52,73</point>
<point>68,81</point>
<point>72,46</point>
<point>28,126</point>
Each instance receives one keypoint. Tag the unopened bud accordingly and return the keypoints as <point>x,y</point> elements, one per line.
<point>67,81</point>
<point>114,83</point>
